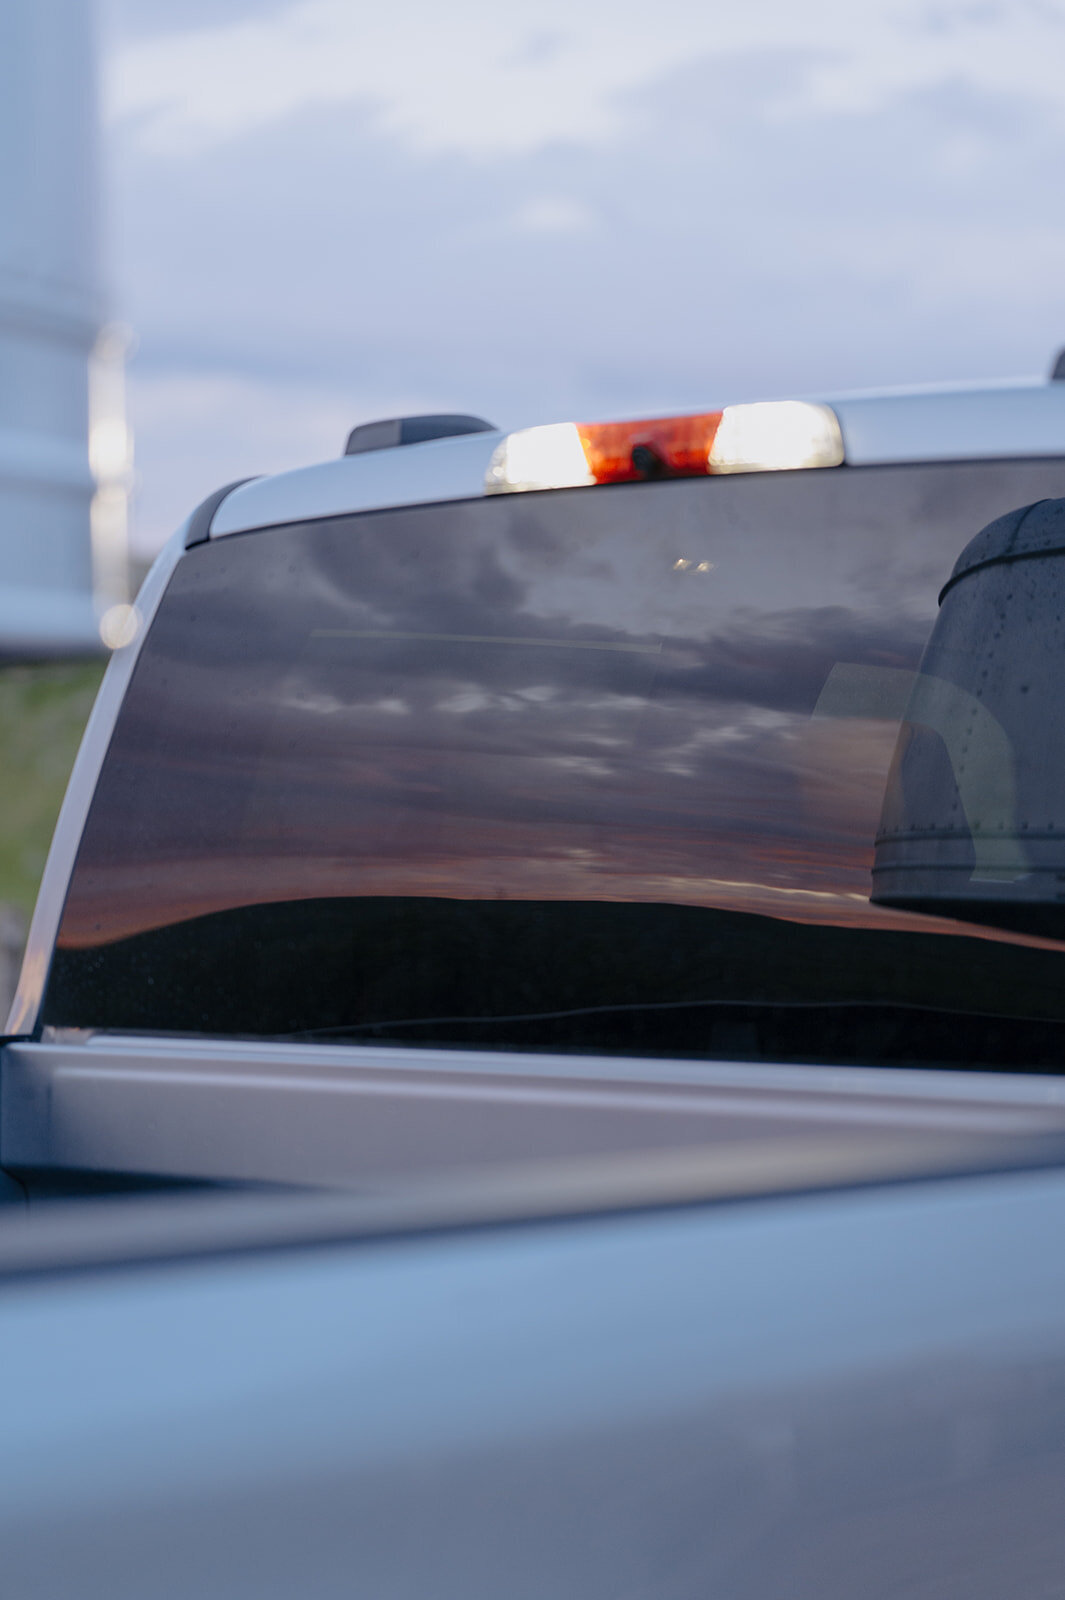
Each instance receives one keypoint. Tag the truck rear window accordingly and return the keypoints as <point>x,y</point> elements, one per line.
<point>589,770</point>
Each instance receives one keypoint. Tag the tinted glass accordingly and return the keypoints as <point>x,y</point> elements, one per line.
<point>592,770</point>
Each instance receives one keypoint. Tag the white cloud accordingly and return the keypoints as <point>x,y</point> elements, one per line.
<point>567,212</point>
<point>485,79</point>
<point>553,214</point>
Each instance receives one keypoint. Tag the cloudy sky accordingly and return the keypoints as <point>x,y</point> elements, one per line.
<point>322,211</point>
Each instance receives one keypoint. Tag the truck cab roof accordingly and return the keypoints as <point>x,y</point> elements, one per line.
<point>991,421</point>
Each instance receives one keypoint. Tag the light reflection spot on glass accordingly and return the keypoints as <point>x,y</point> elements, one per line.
<point>120,626</point>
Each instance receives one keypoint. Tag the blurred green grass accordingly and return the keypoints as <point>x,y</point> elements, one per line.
<point>43,711</point>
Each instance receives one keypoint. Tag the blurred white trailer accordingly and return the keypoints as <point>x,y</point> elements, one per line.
<point>50,326</point>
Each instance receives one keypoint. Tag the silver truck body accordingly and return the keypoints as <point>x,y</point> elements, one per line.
<point>570,1323</point>
<point>859,1392</point>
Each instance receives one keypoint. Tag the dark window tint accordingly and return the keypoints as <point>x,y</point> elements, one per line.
<point>597,770</point>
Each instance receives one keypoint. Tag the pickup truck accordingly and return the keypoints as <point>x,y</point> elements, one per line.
<point>537,1065</point>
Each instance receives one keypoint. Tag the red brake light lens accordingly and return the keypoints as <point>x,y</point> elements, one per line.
<point>668,447</point>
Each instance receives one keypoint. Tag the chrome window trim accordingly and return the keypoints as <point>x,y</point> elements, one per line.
<point>44,926</point>
<point>239,1111</point>
<point>948,1085</point>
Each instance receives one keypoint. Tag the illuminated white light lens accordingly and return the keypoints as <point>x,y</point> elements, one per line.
<point>120,626</point>
<point>776,436</point>
<point>551,457</point>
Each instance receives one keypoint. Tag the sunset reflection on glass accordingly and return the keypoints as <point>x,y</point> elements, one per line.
<point>496,765</point>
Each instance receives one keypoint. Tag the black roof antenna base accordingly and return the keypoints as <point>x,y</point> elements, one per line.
<point>411,430</point>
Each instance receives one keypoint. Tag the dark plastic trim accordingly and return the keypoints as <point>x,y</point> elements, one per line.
<point>199,527</point>
<point>395,431</point>
<point>1057,371</point>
